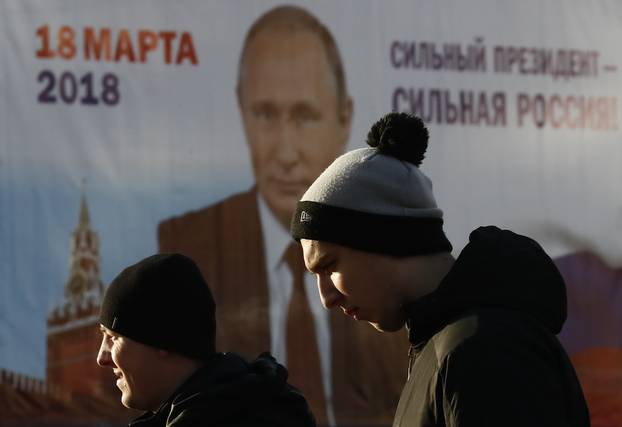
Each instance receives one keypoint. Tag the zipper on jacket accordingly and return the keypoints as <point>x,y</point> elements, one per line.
<point>411,359</point>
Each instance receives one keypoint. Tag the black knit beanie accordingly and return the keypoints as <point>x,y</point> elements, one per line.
<point>376,199</point>
<point>163,301</point>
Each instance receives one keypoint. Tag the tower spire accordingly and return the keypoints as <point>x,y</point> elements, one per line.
<point>84,220</point>
<point>84,288</point>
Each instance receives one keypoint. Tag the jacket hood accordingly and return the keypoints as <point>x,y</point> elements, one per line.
<point>231,376</point>
<point>497,268</point>
<point>237,385</point>
<point>228,389</point>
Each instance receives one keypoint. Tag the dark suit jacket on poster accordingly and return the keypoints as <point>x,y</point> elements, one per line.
<point>225,240</point>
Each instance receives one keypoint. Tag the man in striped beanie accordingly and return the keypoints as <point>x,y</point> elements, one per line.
<point>481,327</point>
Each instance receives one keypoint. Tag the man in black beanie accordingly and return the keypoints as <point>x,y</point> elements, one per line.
<point>482,327</point>
<point>158,326</point>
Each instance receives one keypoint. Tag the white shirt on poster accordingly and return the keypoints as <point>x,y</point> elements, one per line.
<point>276,240</point>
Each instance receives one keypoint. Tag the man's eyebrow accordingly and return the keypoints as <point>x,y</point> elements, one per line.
<point>262,104</point>
<point>305,107</point>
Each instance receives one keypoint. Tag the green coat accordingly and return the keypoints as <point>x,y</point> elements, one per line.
<point>484,351</point>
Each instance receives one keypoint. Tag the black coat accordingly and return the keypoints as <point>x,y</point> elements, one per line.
<point>228,391</point>
<point>484,351</point>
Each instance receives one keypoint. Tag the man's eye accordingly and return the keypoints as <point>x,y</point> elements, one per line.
<point>328,269</point>
<point>265,113</point>
<point>305,116</point>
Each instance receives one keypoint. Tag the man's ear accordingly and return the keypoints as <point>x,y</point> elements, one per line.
<point>346,112</point>
<point>238,95</point>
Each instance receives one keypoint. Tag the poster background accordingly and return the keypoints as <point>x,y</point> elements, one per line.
<point>174,142</point>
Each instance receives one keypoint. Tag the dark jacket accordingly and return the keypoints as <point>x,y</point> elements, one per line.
<point>228,391</point>
<point>226,242</point>
<point>484,351</point>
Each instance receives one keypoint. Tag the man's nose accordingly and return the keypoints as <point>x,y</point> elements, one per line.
<point>329,295</point>
<point>286,146</point>
<point>103,356</point>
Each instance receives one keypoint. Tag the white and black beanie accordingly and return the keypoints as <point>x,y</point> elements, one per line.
<point>376,199</point>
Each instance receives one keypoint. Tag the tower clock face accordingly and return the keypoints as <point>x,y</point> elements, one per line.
<point>76,286</point>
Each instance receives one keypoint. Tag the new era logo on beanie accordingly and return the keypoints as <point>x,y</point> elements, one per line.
<point>377,199</point>
<point>163,301</point>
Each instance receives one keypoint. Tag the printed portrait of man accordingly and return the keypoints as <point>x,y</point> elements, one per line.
<point>296,113</point>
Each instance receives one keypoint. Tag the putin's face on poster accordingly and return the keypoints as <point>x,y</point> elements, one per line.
<point>295,121</point>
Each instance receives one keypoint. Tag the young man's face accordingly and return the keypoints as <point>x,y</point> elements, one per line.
<point>358,282</point>
<point>294,124</point>
<point>135,366</point>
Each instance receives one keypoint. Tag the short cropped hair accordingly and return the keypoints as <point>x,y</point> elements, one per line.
<point>292,18</point>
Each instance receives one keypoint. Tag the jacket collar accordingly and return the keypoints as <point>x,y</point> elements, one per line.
<point>218,367</point>
<point>497,268</point>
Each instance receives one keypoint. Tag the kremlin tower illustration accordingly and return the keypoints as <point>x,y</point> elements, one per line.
<point>76,392</point>
<point>73,335</point>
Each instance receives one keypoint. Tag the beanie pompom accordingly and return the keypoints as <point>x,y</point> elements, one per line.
<point>400,135</point>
